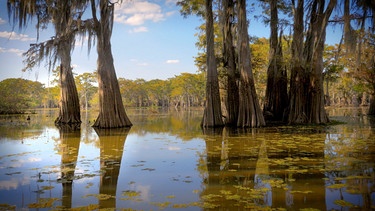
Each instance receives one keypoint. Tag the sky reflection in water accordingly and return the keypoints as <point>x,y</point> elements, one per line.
<point>165,161</point>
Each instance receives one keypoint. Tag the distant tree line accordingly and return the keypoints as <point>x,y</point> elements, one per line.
<point>182,91</point>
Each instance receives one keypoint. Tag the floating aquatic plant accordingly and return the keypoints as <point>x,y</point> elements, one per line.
<point>43,203</point>
<point>131,193</point>
<point>100,196</point>
<point>7,207</point>
<point>343,203</point>
<point>337,186</point>
<point>161,205</point>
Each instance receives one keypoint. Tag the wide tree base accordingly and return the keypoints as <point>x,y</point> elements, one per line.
<point>116,122</point>
<point>67,121</point>
<point>68,127</point>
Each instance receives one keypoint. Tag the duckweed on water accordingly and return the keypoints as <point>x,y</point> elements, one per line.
<point>100,196</point>
<point>43,203</point>
<point>161,205</point>
<point>47,187</point>
<point>7,207</point>
<point>337,186</point>
<point>343,203</point>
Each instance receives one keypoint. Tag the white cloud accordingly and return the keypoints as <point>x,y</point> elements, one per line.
<point>19,52</point>
<point>172,61</point>
<point>139,29</point>
<point>11,184</point>
<point>15,36</point>
<point>2,21</point>
<point>170,13</point>
<point>171,2</point>
<point>172,148</point>
<point>136,13</point>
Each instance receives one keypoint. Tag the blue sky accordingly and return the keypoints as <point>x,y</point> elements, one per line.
<point>150,40</point>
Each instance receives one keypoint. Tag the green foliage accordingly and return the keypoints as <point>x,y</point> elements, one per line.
<point>51,97</point>
<point>18,94</point>
<point>188,89</point>
<point>85,87</point>
<point>183,90</point>
<point>191,7</point>
<point>259,55</point>
<point>351,75</point>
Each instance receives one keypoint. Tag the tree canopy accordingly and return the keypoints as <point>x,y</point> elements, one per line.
<point>20,94</point>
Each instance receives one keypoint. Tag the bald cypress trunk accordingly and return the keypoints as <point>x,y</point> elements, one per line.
<point>276,91</point>
<point>111,109</point>
<point>69,109</point>
<point>232,99</point>
<point>317,113</point>
<point>298,79</point>
<point>212,116</point>
<point>306,84</point>
<point>250,113</point>
<point>321,13</point>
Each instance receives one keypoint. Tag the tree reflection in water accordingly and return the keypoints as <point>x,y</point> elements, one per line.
<point>349,164</point>
<point>259,168</point>
<point>111,149</point>
<point>70,137</point>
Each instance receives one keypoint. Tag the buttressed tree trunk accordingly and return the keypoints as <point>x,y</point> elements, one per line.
<point>250,114</point>
<point>212,116</point>
<point>232,100</point>
<point>69,109</point>
<point>111,109</point>
<point>276,92</point>
<point>321,12</point>
<point>306,85</point>
<point>298,90</point>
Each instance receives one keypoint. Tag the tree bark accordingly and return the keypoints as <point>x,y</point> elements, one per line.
<point>349,34</point>
<point>298,90</point>
<point>306,85</point>
<point>276,100</point>
<point>212,116</point>
<point>111,109</point>
<point>316,110</point>
<point>250,114</point>
<point>69,109</point>
<point>232,100</point>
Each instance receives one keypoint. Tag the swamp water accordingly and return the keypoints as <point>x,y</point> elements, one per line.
<point>166,162</point>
